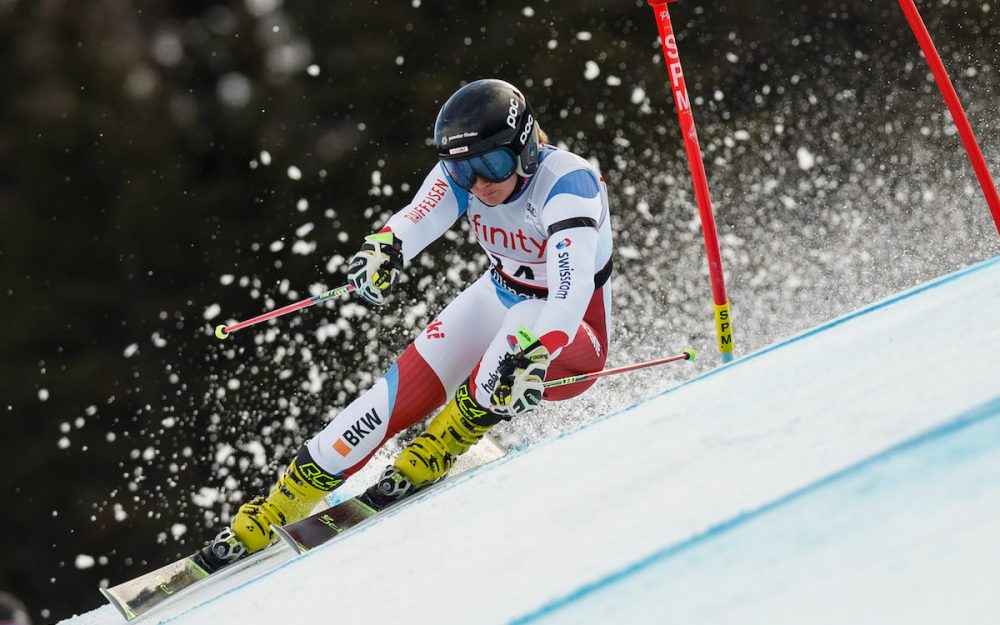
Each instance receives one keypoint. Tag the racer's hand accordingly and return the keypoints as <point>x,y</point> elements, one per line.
<point>375,269</point>
<point>521,377</point>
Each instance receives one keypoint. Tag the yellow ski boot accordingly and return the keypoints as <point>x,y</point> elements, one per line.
<point>460,425</point>
<point>302,485</point>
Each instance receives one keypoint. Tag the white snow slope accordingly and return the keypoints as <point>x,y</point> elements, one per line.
<point>850,474</point>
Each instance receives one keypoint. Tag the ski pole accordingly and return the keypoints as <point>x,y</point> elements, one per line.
<point>223,331</point>
<point>687,354</point>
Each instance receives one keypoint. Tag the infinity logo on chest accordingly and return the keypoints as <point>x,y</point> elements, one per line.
<point>507,239</point>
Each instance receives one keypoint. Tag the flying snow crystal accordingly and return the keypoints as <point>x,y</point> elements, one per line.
<point>206,497</point>
<point>226,279</point>
<point>806,160</point>
<point>584,36</point>
<point>140,83</point>
<point>131,350</point>
<point>638,95</point>
<point>277,246</point>
<point>234,90</point>
<point>256,449</point>
<point>304,229</point>
<point>84,562</point>
<point>334,263</point>
<point>265,157</point>
<point>592,71</point>
<point>63,443</point>
<point>177,530</point>
<point>313,70</point>
<point>303,248</point>
<point>629,252</point>
<point>294,172</point>
<point>260,8</point>
<point>43,394</point>
<point>167,49</point>
<point>158,340</point>
<point>223,453</point>
<point>212,312</point>
<point>302,205</point>
<point>732,58</point>
<point>120,514</point>
<point>527,12</point>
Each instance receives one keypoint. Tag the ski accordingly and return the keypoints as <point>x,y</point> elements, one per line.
<point>315,530</point>
<point>154,590</point>
<point>142,595</point>
<point>322,526</point>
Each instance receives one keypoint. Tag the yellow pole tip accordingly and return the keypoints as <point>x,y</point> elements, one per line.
<point>220,332</point>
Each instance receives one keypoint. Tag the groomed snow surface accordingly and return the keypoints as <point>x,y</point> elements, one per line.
<point>848,475</point>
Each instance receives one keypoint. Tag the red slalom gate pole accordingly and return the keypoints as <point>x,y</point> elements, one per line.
<point>955,106</point>
<point>682,100</point>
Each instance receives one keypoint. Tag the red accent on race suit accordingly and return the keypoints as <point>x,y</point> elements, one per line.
<point>418,393</point>
<point>554,340</point>
<point>434,330</point>
<point>587,352</point>
<point>582,355</point>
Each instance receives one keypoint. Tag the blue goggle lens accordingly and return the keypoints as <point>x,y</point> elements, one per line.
<point>495,166</point>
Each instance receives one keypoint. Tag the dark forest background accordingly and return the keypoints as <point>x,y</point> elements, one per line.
<point>165,166</point>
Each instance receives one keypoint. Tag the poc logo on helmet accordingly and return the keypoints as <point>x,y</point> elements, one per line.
<point>527,130</point>
<point>512,112</point>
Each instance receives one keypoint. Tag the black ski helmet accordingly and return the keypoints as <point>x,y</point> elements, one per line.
<point>484,115</point>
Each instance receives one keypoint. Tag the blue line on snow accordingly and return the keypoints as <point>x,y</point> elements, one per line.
<point>989,410</point>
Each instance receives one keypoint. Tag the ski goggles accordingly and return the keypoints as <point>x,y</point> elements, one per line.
<point>493,166</point>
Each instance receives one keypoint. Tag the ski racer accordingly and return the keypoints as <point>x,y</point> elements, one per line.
<point>542,309</point>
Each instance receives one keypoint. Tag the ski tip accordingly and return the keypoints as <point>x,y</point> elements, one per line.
<point>220,332</point>
<point>123,609</point>
<point>690,353</point>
